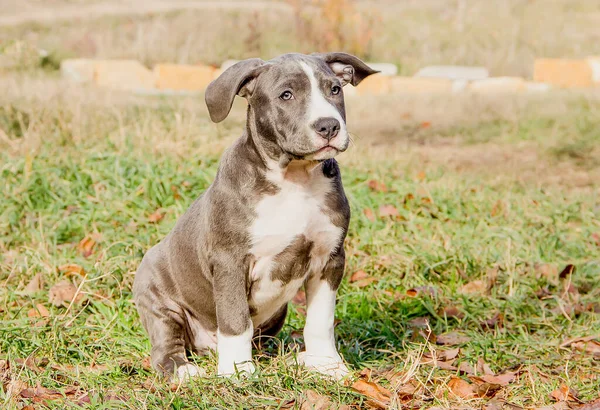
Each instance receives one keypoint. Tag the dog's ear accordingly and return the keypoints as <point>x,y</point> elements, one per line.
<point>348,68</point>
<point>239,79</point>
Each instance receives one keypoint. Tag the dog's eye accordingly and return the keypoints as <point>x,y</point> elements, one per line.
<point>287,95</point>
<point>335,90</point>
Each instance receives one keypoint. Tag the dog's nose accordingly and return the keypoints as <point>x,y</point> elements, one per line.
<point>327,127</point>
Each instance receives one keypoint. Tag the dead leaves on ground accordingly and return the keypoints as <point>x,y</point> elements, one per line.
<point>362,279</point>
<point>64,292</point>
<point>586,345</point>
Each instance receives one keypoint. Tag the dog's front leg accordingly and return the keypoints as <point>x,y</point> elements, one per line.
<point>235,329</point>
<point>321,353</point>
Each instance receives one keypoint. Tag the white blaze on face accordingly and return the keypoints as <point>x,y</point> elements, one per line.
<point>319,107</point>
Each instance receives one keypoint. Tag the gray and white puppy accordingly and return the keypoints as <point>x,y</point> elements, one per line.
<point>275,218</point>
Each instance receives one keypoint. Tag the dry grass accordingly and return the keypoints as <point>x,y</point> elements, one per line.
<point>504,36</point>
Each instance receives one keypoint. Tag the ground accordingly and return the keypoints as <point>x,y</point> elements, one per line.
<point>473,251</point>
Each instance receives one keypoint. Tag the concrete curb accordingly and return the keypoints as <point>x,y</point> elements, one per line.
<point>182,79</point>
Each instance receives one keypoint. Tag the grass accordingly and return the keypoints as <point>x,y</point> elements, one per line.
<point>485,190</point>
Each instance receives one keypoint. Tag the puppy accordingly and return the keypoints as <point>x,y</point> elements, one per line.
<point>274,219</point>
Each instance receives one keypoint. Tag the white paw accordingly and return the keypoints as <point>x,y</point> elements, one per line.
<point>332,366</point>
<point>189,370</point>
<point>241,369</point>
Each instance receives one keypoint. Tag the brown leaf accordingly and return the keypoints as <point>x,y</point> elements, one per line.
<point>71,269</point>
<point>39,311</point>
<point>487,389</point>
<point>592,405</point>
<point>368,212</point>
<point>35,285</point>
<point>449,354</point>
<point>147,363</point>
<point>365,282</point>
<point>421,291</point>
<point>358,275</point>
<point>40,394</point>
<point>568,270</point>
<point>501,379</point>
<point>315,401</point>
<point>420,322</point>
<point>299,298</point>
<point>547,271</point>
<point>451,311</point>
<point>483,367</point>
<point>425,124</point>
<point>361,278</point>
<point>564,393</point>
<point>452,338</point>
<point>474,287</point>
<point>379,396</point>
<point>592,347</point>
<point>461,388</point>
<point>296,334</point>
<point>86,246</point>
<point>496,321</point>
<point>421,176</point>
<point>63,292</point>
<point>377,186</point>
<point>388,210</point>
<point>156,216</point>
<point>466,368</point>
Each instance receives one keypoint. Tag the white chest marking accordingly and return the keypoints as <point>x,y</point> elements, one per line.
<point>297,209</point>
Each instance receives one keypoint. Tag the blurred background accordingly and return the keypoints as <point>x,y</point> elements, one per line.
<point>503,35</point>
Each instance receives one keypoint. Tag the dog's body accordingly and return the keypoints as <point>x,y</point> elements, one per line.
<point>275,218</point>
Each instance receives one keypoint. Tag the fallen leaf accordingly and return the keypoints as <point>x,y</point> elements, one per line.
<point>365,282</point>
<point>448,354</point>
<point>63,292</point>
<point>369,214</point>
<point>592,405</point>
<point>86,246</point>
<point>565,393</point>
<point>315,401</point>
<point>596,238</point>
<point>39,311</point>
<point>461,388</point>
<point>358,275</point>
<point>156,216</point>
<point>477,286</point>
<point>466,368</point>
<point>483,367</point>
<point>147,363</point>
<point>377,186</point>
<point>388,210</point>
<point>452,338</point>
<point>40,394</point>
<point>420,322</point>
<point>501,379</point>
<point>496,321</point>
<point>547,271</point>
<point>568,342</point>
<point>451,311</point>
<point>296,334</point>
<point>568,270</point>
<point>425,124</point>
<point>421,290</point>
<point>421,176</point>
<point>487,389</point>
<point>299,298</point>
<point>592,347</point>
<point>71,269</point>
<point>35,285</point>
<point>378,396</point>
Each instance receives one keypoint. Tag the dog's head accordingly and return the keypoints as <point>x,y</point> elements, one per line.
<point>296,103</point>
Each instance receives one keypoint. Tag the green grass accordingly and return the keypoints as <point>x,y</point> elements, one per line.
<point>94,169</point>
